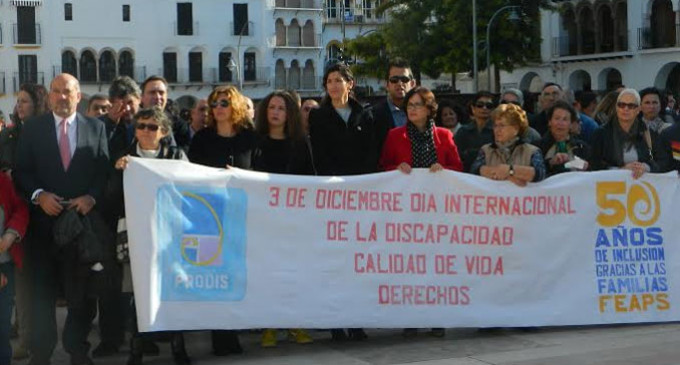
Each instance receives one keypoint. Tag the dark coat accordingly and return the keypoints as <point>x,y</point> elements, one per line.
<point>8,145</point>
<point>604,156</point>
<point>384,121</point>
<point>579,148</point>
<point>341,148</point>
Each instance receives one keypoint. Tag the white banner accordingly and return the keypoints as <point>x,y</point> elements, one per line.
<point>229,249</point>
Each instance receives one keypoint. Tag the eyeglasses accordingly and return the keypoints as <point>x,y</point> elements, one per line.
<point>487,105</point>
<point>150,127</point>
<point>415,105</point>
<point>623,105</point>
<point>396,79</point>
<point>223,103</point>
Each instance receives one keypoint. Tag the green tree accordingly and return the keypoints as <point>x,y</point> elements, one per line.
<point>436,36</point>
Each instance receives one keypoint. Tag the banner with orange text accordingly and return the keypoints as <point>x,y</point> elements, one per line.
<point>229,249</point>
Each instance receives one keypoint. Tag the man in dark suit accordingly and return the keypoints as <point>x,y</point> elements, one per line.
<point>155,93</point>
<point>62,163</point>
<point>390,113</point>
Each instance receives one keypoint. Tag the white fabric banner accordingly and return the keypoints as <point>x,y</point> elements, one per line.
<point>229,249</point>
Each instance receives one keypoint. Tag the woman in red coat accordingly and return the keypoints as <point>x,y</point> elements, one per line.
<point>419,143</point>
<point>13,222</point>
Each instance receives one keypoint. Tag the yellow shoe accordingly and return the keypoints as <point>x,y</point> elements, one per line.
<point>300,336</point>
<point>268,338</point>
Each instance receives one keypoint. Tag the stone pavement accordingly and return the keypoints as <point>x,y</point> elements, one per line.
<point>649,344</point>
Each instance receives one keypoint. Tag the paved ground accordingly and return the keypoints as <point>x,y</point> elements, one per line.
<point>657,344</point>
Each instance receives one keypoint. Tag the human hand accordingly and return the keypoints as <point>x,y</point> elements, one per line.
<point>404,167</point>
<point>436,167</point>
<point>559,159</point>
<point>638,168</point>
<point>50,203</point>
<point>518,182</point>
<point>6,241</point>
<point>82,204</point>
<point>122,163</point>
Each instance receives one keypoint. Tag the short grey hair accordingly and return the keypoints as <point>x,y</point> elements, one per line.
<point>517,92</point>
<point>123,86</point>
<point>630,91</point>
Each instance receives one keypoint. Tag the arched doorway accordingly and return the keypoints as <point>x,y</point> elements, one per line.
<point>580,80</point>
<point>609,79</point>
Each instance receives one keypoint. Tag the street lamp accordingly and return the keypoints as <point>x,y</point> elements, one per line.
<point>513,17</point>
<point>234,66</point>
<point>475,66</point>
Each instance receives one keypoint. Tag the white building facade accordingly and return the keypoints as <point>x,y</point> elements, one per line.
<point>259,45</point>
<point>598,45</point>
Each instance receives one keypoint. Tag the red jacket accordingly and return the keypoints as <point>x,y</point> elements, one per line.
<point>16,215</point>
<point>397,149</point>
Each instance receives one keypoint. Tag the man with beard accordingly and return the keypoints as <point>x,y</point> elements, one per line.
<point>391,113</point>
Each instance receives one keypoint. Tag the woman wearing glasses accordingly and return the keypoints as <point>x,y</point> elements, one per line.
<point>420,143</point>
<point>625,142</point>
<point>229,138</point>
<point>509,157</point>
<point>151,126</point>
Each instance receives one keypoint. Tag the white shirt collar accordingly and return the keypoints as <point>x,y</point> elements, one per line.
<point>69,120</point>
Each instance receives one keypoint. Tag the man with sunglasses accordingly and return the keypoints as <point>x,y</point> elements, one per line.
<point>390,113</point>
<point>472,136</point>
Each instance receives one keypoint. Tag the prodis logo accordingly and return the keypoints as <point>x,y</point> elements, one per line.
<point>639,202</point>
<point>202,235</point>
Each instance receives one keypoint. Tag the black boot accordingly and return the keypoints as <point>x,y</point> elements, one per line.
<point>136,351</point>
<point>179,352</point>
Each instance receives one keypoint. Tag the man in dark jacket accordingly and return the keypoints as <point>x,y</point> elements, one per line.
<point>390,113</point>
<point>155,93</point>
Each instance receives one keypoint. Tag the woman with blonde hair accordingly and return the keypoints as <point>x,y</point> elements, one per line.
<point>229,137</point>
<point>509,157</point>
<point>228,140</point>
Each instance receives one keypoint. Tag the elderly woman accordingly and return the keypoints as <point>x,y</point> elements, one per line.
<point>13,222</point>
<point>449,115</point>
<point>509,157</point>
<point>558,146</point>
<point>625,142</point>
<point>151,126</point>
<point>419,143</point>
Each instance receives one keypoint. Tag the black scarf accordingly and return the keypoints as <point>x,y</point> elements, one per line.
<point>422,145</point>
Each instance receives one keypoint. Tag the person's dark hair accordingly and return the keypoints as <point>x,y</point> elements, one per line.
<point>398,62</point>
<point>172,108</point>
<point>293,127</point>
<point>651,91</point>
<point>447,103</point>
<point>482,94</point>
<point>96,97</point>
<point>340,68</point>
<point>561,104</point>
<point>38,95</point>
<point>156,114</point>
<point>296,97</point>
<point>123,86</point>
<point>426,95</point>
<point>153,78</point>
<point>585,98</point>
<point>549,84</point>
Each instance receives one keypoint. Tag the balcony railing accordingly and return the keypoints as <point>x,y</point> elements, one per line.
<point>568,46</point>
<point>299,4</point>
<point>246,31</point>
<point>21,78</point>
<point>192,30</point>
<point>3,86</point>
<point>354,16</point>
<point>649,37</point>
<point>257,76</point>
<point>304,42</point>
<point>28,36</point>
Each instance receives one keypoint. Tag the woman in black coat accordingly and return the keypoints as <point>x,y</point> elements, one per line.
<point>558,145</point>
<point>342,131</point>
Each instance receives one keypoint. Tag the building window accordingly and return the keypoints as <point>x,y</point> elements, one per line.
<point>68,12</point>
<point>28,69</point>
<point>26,27</point>
<point>224,71</point>
<point>126,64</point>
<point>249,69</point>
<point>367,9</point>
<point>126,13</point>
<point>170,66</point>
<point>241,19</point>
<point>195,67</point>
<point>185,19</point>
<point>88,67</point>
<point>107,67</point>
<point>69,64</point>
<point>331,9</point>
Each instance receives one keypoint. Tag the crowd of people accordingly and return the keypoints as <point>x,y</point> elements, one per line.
<point>62,176</point>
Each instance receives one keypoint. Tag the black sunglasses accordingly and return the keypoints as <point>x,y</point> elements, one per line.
<point>511,102</point>
<point>150,127</point>
<point>403,79</point>
<point>487,105</point>
<point>630,106</point>
<point>223,103</point>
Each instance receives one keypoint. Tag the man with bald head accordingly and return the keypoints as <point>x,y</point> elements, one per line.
<point>62,162</point>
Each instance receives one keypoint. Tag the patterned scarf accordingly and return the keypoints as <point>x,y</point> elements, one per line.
<point>422,145</point>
